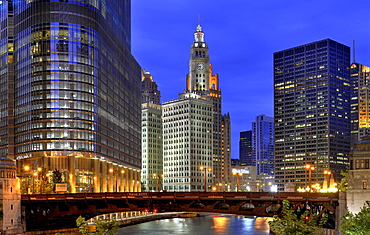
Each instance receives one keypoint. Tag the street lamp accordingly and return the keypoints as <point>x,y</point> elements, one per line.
<point>202,168</point>
<point>41,175</point>
<point>326,184</point>
<point>237,175</point>
<point>310,168</point>
<point>159,177</point>
<point>33,181</point>
<point>25,179</point>
<point>111,170</point>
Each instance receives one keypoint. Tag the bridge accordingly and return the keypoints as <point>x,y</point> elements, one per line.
<point>45,211</point>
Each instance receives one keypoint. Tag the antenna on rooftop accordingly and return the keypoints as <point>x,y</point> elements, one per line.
<point>198,19</point>
<point>354,50</point>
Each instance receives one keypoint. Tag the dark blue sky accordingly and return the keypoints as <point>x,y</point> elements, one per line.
<point>242,36</point>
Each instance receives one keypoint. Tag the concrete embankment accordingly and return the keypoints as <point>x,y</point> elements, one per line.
<point>122,222</point>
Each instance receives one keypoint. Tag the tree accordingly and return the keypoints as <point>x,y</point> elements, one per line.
<point>343,185</point>
<point>356,224</point>
<point>107,227</point>
<point>56,177</point>
<point>290,223</point>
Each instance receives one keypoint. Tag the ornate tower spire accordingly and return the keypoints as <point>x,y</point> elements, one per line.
<point>199,35</point>
<point>198,77</point>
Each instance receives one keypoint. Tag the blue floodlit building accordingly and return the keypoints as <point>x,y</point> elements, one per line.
<point>70,95</point>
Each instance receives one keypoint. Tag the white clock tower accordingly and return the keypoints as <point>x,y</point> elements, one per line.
<point>200,79</point>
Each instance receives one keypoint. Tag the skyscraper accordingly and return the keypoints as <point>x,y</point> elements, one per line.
<point>263,145</point>
<point>245,149</point>
<point>187,144</point>
<point>225,169</point>
<point>152,132</point>
<point>149,89</point>
<point>360,97</point>
<point>70,93</point>
<point>206,137</point>
<point>312,111</point>
<point>201,81</point>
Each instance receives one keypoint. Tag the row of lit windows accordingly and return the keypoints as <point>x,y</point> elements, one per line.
<point>64,145</point>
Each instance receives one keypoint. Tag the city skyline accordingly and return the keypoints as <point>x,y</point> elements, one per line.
<point>241,41</point>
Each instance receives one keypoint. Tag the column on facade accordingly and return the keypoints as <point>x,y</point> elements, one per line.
<point>122,183</point>
<point>72,173</point>
<point>127,180</point>
<point>137,182</point>
<point>110,178</point>
<point>96,179</point>
<point>104,180</point>
<point>131,180</point>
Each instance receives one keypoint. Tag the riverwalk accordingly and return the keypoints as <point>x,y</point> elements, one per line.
<point>123,219</point>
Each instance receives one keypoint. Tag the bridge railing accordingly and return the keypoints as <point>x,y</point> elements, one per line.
<point>179,195</point>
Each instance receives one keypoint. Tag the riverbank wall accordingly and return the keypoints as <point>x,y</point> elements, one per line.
<point>125,221</point>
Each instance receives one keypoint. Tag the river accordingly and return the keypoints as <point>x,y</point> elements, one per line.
<point>210,224</point>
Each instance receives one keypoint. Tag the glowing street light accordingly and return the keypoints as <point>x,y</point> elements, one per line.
<point>310,168</point>
<point>26,168</point>
<point>159,177</point>
<point>202,168</point>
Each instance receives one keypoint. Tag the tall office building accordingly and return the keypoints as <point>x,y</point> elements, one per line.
<point>201,81</point>
<point>70,93</point>
<point>187,144</point>
<point>312,111</point>
<point>152,132</point>
<point>149,89</point>
<point>263,145</point>
<point>225,169</point>
<point>360,106</point>
<point>202,90</point>
<point>245,149</point>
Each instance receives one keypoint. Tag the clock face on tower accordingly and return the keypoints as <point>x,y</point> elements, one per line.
<point>200,66</point>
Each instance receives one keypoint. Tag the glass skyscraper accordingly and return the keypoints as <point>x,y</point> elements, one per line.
<point>263,145</point>
<point>245,149</point>
<point>70,97</point>
<point>311,111</point>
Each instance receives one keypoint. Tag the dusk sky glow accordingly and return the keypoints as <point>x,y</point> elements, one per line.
<point>242,36</point>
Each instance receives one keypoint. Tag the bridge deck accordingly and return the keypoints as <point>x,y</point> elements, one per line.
<point>62,209</point>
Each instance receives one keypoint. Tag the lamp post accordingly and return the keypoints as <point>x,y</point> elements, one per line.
<point>326,184</point>
<point>310,168</point>
<point>41,175</point>
<point>34,174</point>
<point>26,169</point>
<point>159,177</point>
<point>237,175</point>
<point>38,172</point>
<point>115,172</point>
<point>202,168</point>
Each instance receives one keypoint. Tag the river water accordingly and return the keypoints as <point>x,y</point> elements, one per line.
<point>210,224</point>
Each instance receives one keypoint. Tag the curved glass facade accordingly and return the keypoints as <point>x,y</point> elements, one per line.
<point>76,96</point>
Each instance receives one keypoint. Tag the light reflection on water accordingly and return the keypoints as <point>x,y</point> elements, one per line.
<point>220,224</point>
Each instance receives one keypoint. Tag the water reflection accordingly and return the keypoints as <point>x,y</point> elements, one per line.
<point>219,224</point>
